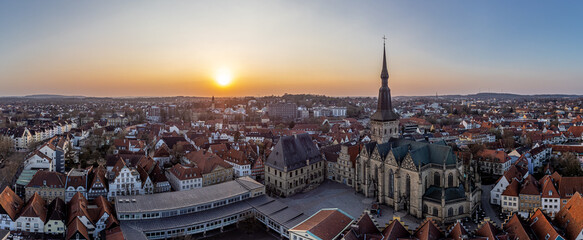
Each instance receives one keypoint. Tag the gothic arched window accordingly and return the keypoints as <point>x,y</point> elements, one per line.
<point>391,183</point>
<point>450,180</point>
<point>436,178</point>
<point>408,185</point>
<point>460,211</point>
<point>450,212</point>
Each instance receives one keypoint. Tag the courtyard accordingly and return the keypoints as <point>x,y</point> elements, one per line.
<point>336,195</point>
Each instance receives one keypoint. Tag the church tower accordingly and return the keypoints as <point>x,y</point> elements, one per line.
<point>384,122</point>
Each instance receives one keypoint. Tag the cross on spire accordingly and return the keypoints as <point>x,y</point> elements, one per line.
<point>384,39</point>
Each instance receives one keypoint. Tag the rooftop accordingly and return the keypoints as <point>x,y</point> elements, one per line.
<point>183,199</point>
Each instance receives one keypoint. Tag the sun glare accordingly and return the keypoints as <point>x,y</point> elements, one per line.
<point>223,77</point>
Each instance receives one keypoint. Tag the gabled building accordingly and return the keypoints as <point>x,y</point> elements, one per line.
<point>38,161</point>
<point>103,216</point>
<point>550,198</point>
<point>56,218</point>
<point>97,183</point>
<point>33,216</point>
<point>530,195</point>
<point>542,227</point>
<point>124,181</point>
<point>517,228</point>
<point>570,217</point>
<point>510,200</point>
<point>515,172</point>
<point>78,210</point>
<point>241,165</point>
<point>395,230</point>
<point>213,168</point>
<point>10,207</point>
<point>76,182</point>
<point>258,169</point>
<point>494,161</point>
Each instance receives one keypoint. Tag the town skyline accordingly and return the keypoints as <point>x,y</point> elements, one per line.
<point>330,48</point>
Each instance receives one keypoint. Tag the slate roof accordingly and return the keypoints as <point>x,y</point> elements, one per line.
<point>56,210</point>
<point>292,152</point>
<point>451,194</point>
<point>422,153</point>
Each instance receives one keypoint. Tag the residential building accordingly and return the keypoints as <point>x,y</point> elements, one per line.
<point>33,216</point>
<point>238,159</point>
<point>124,180</point>
<point>96,183</point>
<point>48,185</point>
<point>493,161</point>
<point>76,182</point>
<point>550,198</point>
<point>283,110</point>
<point>212,167</point>
<point>530,196</point>
<point>510,198</point>
<point>10,207</point>
<point>56,218</point>
<point>514,173</point>
<point>184,177</point>
<point>570,217</point>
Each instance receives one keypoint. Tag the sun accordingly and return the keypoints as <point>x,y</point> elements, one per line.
<point>223,77</point>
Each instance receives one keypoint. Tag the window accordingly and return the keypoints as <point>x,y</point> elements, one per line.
<point>450,180</point>
<point>391,183</point>
<point>436,179</point>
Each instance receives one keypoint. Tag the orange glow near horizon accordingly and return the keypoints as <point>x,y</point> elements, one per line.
<point>223,77</point>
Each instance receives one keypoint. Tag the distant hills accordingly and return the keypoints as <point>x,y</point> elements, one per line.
<point>499,96</point>
<point>53,96</point>
<point>483,95</point>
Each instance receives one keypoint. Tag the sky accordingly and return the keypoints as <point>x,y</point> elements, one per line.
<point>330,47</point>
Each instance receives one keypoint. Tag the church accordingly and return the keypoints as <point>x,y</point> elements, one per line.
<point>424,179</point>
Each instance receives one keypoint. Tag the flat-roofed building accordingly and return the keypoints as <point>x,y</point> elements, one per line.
<point>197,211</point>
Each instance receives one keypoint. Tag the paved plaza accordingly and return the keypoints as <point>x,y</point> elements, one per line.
<point>336,195</point>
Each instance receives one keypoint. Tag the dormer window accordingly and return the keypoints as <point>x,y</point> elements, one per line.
<point>550,192</point>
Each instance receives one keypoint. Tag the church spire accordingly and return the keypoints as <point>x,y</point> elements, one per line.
<point>385,72</point>
<point>385,107</point>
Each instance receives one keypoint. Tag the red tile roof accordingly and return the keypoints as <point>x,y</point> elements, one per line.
<point>325,224</point>
<point>457,232</point>
<point>428,230</point>
<point>10,203</point>
<point>76,227</point>
<point>570,217</point>
<point>541,226</point>
<point>512,189</point>
<point>35,207</point>
<point>515,227</point>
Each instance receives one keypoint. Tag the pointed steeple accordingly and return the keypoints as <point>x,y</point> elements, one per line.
<point>385,71</point>
<point>385,107</point>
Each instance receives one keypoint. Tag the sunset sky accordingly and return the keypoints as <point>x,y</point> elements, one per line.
<point>331,47</point>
